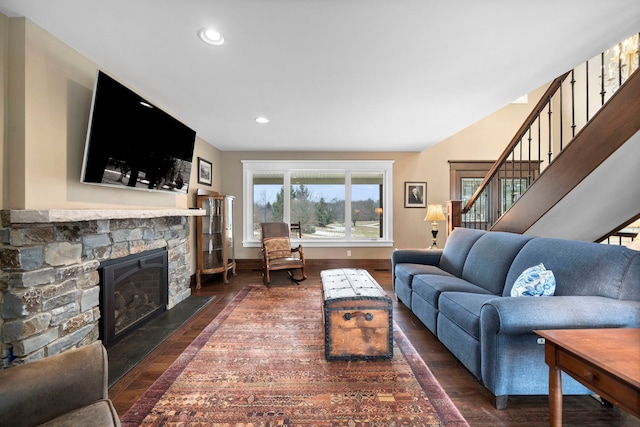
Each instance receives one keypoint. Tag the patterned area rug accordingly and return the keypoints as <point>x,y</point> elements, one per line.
<point>261,363</point>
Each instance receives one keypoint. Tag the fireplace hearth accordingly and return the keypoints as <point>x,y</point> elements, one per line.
<point>133,290</point>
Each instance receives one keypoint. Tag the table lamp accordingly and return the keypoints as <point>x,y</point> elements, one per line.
<point>435,214</point>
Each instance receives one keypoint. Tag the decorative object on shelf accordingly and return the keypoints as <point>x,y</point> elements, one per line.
<point>435,214</point>
<point>205,172</point>
<point>415,194</point>
<point>216,252</point>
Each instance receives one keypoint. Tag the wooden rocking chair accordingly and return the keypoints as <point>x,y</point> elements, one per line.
<point>277,253</point>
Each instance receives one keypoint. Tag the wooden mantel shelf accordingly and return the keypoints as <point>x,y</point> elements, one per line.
<point>28,216</point>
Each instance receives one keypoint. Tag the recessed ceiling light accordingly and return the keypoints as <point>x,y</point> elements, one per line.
<point>262,120</point>
<point>210,36</point>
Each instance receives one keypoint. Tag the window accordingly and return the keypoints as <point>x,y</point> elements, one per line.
<point>510,190</point>
<point>336,203</point>
<point>510,184</point>
<point>469,187</point>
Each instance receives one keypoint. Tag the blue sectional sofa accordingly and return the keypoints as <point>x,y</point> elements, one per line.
<point>462,294</point>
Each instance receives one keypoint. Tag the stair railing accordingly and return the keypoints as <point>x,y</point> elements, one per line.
<point>624,235</point>
<point>569,102</point>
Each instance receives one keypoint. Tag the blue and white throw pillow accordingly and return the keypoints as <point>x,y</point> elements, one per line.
<point>535,281</point>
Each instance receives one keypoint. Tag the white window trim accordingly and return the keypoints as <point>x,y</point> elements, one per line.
<point>250,167</point>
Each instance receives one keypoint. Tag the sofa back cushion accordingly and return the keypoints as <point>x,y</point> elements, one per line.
<point>490,257</point>
<point>631,286</point>
<point>581,268</point>
<point>457,248</point>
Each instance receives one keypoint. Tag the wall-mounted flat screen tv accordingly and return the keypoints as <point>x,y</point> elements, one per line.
<point>131,143</point>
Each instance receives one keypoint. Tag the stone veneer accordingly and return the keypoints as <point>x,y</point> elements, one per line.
<point>49,282</point>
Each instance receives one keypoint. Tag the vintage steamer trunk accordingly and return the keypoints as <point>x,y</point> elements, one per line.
<point>358,316</point>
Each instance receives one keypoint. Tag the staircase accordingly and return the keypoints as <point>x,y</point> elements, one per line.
<point>591,187</point>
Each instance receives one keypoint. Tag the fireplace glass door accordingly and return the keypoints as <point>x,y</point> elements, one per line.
<point>134,289</point>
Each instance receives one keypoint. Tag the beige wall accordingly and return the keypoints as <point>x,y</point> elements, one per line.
<point>49,94</point>
<point>4,55</point>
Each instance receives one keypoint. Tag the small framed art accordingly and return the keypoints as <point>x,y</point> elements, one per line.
<point>415,194</point>
<point>205,170</point>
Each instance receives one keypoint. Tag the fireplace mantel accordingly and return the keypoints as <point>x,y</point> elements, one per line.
<point>33,216</point>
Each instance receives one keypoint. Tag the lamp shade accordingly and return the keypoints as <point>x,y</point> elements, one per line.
<point>435,213</point>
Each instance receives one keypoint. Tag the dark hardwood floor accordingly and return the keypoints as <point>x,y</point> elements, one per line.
<point>472,399</point>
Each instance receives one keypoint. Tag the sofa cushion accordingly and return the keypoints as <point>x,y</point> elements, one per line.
<point>535,281</point>
<point>580,268</point>
<point>430,286</point>
<point>457,248</point>
<point>407,272</point>
<point>630,289</point>
<point>490,257</point>
<point>463,309</point>
<point>464,347</point>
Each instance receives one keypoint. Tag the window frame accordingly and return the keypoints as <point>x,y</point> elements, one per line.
<point>385,167</point>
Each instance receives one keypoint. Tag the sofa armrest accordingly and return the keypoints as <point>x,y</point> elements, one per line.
<point>38,391</point>
<point>413,256</point>
<point>416,256</point>
<point>521,315</point>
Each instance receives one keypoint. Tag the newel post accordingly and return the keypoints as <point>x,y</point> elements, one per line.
<point>454,215</point>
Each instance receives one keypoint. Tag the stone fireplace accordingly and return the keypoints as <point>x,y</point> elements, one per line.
<point>50,263</point>
<point>133,289</point>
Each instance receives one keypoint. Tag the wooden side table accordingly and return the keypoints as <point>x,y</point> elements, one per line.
<point>606,361</point>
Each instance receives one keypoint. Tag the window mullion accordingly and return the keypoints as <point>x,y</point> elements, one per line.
<point>286,211</point>
<point>347,205</point>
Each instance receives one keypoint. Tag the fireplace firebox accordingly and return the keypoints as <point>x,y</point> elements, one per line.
<point>133,290</point>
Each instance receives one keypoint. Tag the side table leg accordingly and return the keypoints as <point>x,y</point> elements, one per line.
<point>555,396</point>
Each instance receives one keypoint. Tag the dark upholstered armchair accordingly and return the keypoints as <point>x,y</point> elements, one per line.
<point>277,253</point>
<point>68,389</point>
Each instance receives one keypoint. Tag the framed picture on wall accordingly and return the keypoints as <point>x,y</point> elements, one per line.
<point>415,194</point>
<point>205,170</point>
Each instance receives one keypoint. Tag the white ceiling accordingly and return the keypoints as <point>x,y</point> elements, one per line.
<point>343,75</point>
